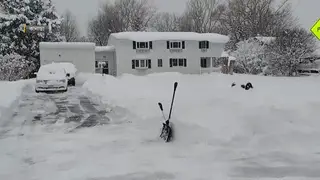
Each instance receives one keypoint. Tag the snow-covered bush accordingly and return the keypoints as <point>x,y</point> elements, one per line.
<point>250,57</point>
<point>289,51</point>
<point>14,67</point>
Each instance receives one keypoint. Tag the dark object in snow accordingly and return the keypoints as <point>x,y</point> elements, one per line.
<point>247,86</point>
<point>167,129</point>
<point>233,84</point>
<point>166,132</point>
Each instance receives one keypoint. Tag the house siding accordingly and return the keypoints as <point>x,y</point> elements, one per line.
<point>125,54</point>
<point>82,58</point>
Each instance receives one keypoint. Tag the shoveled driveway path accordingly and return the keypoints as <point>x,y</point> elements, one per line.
<point>76,109</point>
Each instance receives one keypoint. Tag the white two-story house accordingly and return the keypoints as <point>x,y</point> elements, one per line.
<point>141,53</point>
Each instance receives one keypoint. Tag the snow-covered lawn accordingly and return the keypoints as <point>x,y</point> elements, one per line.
<point>9,92</point>
<point>270,131</point>
<point>222,133</point>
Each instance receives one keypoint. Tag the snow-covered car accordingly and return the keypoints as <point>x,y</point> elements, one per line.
<point>70,69</point>
<point>51,78</point>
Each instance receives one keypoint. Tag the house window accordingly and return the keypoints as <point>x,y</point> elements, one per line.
<point>175,62</point>
<point>205,62</point>
<point>142,45</point>
<point>203,44</point>
<point>175,44</point>
<point>180,62</point>
<point>159,62</point>
<point>141,63</point>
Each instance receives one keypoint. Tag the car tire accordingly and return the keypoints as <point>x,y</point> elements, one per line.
<point>73,82</point>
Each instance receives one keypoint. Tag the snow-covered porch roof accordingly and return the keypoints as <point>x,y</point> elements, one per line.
<point>225,54</point>
<point>105,49</point>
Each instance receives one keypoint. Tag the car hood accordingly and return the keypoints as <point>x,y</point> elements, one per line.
<point>51,77</point>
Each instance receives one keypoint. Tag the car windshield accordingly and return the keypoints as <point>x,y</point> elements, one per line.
<point>53,71</point>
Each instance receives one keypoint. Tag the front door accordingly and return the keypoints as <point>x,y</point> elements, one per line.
<point>105,68</point>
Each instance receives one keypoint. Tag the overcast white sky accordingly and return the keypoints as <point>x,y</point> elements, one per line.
<point>306,10</point>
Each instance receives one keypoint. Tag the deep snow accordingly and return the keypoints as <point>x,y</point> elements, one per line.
<point>224,133</point>
<point>9,92</point>
<point>271,131</point>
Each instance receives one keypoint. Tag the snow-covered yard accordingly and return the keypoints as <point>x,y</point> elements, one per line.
<point>270,131</point>
<point>222,133</point>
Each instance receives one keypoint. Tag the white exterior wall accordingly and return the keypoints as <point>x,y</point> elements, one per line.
<point>125,53</point>
<point>82,58</point>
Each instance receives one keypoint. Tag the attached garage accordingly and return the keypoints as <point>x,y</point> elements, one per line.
<point>81,54</point>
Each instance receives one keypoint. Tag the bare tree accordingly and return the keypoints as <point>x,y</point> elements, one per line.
<point>106,22</point>
<point>202,16</point>
<point>135,15</point>
<point>249,18</point>
<point>166,22</point>
<point>124,15</point>
<point>69,28</point>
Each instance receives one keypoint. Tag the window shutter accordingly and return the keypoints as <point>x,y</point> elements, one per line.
<point>183,45</point>
<point>170,62</point>
<point>150,44</point>
<point>149,63</point>
<point>185,62</point>
<point>207,44</point>
<point>134,44</point>
<point>199,44</point>
<point>168,45</point>
<point>133,64</point>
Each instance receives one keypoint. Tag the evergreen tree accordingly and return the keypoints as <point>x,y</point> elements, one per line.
<point>33,13</point>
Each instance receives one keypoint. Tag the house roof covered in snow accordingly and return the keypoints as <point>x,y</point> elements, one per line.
<point>67,45</point>
<point>105,48</point>
<point>264,39</point>
<point>154,36</point>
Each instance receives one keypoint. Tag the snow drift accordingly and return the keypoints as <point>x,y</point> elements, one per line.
<point>11,91</point>
<point>227,125</point>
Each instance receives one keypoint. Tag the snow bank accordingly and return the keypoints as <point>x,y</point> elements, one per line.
<point>81,77</point>
<point>154,36</point>
<point>267,132</point>
<point>10,91</point>
<point>209,102</point>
